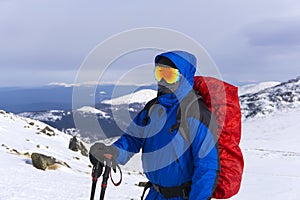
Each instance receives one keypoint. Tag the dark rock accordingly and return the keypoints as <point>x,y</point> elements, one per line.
<point>76,145</point>
<point>48,131</point>
<point>42,162</point>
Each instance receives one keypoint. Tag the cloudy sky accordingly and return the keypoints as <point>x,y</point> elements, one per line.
<point>44,41</point>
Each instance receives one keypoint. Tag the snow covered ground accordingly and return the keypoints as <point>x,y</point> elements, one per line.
<point>20,180</point>
<point>271,151</point>
<point>270,146</point>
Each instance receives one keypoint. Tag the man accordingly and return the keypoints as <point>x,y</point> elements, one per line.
<point>179,145</point>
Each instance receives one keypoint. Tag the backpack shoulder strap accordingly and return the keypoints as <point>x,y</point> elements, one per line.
<point>183,112</point>
<point>193,106</point>
<point>147,108</point>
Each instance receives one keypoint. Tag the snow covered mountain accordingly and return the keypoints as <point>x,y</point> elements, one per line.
<point>280,97</point>
<point>89,109</point>
<point>51,115</point>
<point>256,87</point>
<point>142,97</point>
<point>267,97</point>
<point>109,114</point>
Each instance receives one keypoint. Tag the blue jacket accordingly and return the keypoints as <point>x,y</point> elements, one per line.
<point>168,159</point>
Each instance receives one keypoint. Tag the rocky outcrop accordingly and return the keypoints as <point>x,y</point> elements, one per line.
<point>76,145</point>
<point>284,96</point>
<point>47,131</point>
<point>43,162</point>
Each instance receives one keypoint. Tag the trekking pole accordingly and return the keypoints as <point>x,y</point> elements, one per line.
<point>96,173</point>
<point>104,181</point>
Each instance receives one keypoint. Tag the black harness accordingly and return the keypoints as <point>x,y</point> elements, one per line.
<point>170,192</point>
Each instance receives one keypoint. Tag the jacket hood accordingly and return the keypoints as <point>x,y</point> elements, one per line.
<point>186,64</point>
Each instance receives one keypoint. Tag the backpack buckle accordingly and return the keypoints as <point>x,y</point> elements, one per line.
<point>185,194</point>
<point>157,188</point>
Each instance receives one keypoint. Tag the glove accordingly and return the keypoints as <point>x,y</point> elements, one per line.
<point>99,152</point>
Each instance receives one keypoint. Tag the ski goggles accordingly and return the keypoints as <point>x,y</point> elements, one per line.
<point>169,74</point>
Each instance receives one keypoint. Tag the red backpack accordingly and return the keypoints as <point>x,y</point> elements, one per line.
<point>222,100</point>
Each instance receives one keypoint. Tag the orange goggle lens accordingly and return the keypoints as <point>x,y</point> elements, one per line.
<point>169,74</point>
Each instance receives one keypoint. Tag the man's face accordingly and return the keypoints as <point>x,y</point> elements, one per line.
<point>168,78</point>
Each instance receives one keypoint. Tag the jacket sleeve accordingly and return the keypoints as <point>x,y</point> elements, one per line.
<point>206,161</point>
<point>131,141</point>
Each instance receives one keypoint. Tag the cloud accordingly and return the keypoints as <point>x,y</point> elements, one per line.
<point>267,50</point>
<point>275,33</point>
<point>53,36</point>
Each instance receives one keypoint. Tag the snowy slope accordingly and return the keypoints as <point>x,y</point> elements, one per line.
<point>269,144</point>
<point>20,180</point>
<point>142,96</point>
<point>271,151</point>
<point>25,136</point>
